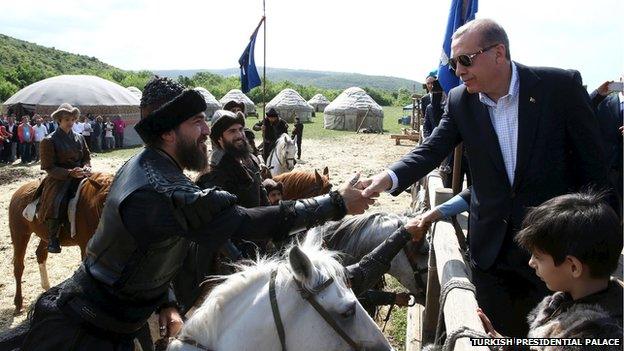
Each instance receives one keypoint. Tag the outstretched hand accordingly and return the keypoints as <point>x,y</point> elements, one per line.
<point>603,89</point>
<point>487,325</point>
<point>417,228</point>
<point>373,186</point>
<point>355,202</point>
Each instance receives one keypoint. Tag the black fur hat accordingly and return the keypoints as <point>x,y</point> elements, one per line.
<point>170,115</point>
<point>222,120</point>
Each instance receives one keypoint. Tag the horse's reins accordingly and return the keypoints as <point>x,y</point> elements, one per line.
<point>308,295</point>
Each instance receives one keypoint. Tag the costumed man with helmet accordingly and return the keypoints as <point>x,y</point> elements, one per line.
<point>65,157</point>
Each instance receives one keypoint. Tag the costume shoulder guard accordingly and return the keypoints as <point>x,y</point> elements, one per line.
<point>167,180</point>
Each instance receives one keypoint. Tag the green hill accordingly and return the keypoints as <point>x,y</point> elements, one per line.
<point>23,63</point>
<point>320,79</point>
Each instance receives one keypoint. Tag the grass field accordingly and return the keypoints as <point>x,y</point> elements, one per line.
<point>314,129</point>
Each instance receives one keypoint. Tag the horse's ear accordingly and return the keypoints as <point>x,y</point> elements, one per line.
<point>300,264</point>
<point>317,178</point>
<point>326,171</point>
<point>95,183</point>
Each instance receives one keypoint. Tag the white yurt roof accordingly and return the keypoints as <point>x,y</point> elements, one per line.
<point>289,99</point>
<point>211,101</point>
<point>78,90</point>
<point>238,96</point>
<point>352,101</point>
<point>136,91</point>
<point>318,99</point>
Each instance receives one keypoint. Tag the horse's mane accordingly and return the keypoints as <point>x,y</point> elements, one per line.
<point>350,235</point>
<point>206,318</point>
<point>300,183</point>
<point>97,195</point>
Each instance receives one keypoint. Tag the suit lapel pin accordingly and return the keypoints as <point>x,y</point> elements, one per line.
<point>532,99</point>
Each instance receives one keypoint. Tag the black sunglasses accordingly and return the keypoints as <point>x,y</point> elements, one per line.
<point>466,59</point>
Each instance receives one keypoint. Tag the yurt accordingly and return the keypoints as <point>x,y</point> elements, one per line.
<point>136,91</point>
<point>238,96</point>
<point>211,102</point>
<point>318,102</point>
<point>353,110</point>
<point>90,94</point>
<point>289,104</point>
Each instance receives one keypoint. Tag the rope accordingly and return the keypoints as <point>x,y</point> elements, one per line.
<point>453,283</point>
<point>463,332</point>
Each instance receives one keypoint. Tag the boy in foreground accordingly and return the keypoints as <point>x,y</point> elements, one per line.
<point>575,241</point>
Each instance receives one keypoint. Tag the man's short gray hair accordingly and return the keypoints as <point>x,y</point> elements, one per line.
<point>490,32</point>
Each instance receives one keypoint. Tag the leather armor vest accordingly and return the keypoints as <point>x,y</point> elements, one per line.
<point>113,257</point>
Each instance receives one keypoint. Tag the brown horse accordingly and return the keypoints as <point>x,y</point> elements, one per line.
<point>301,185</point>
<point>89,207</point>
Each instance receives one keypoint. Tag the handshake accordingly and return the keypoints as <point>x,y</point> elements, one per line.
<point>359,194</point>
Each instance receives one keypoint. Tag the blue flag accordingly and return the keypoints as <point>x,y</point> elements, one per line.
<point>249,74</point>
<point>456,19</point>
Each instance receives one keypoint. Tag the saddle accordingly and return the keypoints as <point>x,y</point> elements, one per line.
<point>30,212</point>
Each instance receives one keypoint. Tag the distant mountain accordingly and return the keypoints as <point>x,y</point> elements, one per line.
<point>321,79</point>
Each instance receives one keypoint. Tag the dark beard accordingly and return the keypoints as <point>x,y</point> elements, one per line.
<point>192,155</point>
<point>235,151</point>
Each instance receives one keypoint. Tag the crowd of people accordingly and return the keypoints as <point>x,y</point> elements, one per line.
<point>20,137</point>
<point>545,203</point>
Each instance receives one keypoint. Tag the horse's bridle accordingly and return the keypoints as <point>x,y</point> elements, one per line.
<point>308,295</point>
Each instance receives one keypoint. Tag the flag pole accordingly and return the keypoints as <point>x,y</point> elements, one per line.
<point>264,62</point>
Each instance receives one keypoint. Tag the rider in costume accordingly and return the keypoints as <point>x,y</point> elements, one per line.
<point>66,159</point>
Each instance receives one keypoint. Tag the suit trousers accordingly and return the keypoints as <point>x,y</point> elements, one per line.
<point>508,290</point>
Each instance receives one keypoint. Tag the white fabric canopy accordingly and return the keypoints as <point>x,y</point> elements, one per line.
<point>211,102</point>
<point>353,109</point>
<point>238,96</point>
<point>319,102</point>
<point>78,90</point>
<point>289,104</point>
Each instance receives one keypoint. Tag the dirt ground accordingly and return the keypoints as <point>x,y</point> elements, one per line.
<point>367,153</point>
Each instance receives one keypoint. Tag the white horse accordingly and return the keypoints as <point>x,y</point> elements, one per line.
<point>282,157</point>
<point>238,314</point>
<point>356,236</point>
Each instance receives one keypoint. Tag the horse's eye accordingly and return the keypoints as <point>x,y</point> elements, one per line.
<point>350,312</point>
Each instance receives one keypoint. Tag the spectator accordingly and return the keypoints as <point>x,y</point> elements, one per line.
<point>575,241</point>
<point>610,112</point>
<point>12,128</point>
<point>26,135</point>
<point>40,132</point>
<point>109,139</point>
<point>78,127</point>
<point>96,135</point>
<point>87,130</point>
<point>275,190</point>
<point>120,126</point>
<point>50,124</point>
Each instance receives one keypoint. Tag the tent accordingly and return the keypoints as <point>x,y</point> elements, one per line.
<point>136,91</point>
<point>289,104</point>
<point>352,110</point>
<point>90,94</point>
<point>238,96</point>
<point>319,102</point>
<point>211,102</point>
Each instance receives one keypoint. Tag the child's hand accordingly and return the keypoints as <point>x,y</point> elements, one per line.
<point>487,325</point>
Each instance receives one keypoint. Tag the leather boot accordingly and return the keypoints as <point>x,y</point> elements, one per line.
<point>54,228</point>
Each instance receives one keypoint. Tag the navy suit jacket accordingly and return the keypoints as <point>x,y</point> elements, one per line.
<point>558,135</point>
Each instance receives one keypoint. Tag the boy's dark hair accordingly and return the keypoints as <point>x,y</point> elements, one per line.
<point>582,225</point>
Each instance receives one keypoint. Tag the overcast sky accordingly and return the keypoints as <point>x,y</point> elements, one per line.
<point>388,37</point>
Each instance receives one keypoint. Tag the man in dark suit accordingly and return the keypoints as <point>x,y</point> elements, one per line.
<point>609,107</point>
<point>426,100</point>
<point>518,124</point>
